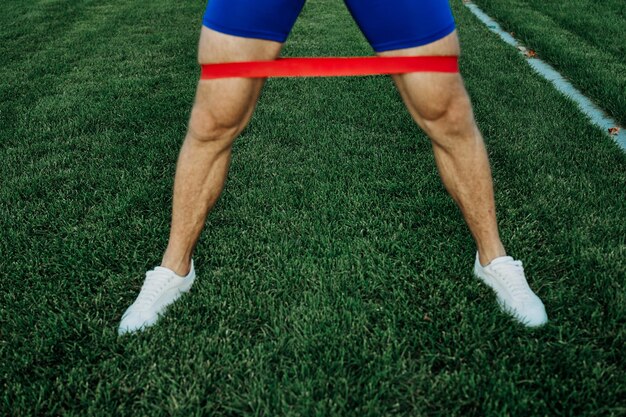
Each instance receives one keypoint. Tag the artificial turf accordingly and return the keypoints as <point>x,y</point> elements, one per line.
<point>584,39</point>
<point>335,272</point>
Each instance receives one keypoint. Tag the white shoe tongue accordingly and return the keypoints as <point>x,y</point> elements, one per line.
<point>501,260</point>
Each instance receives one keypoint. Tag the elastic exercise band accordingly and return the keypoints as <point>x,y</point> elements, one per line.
<point>330,67</point>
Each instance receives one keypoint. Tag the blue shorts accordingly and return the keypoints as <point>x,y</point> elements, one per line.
<point>387,24</point>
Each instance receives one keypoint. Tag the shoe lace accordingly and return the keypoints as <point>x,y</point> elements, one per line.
<point>152,286</point>
<point>512,276</point>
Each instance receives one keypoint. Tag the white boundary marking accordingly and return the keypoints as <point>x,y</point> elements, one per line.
<point>597,116</point>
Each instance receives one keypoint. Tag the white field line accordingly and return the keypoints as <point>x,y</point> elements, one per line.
<point>597,116</point>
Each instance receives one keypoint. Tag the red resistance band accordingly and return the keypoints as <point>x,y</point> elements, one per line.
<point>330,67</point>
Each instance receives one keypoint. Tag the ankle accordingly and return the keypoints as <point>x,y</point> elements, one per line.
<point>486,255</point>
<point>181,267</point>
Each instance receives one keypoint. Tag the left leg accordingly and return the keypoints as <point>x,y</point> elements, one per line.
<point>440,105</point>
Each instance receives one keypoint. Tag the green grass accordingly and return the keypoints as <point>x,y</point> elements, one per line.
<point>584,39</point>
<point>335,272</point>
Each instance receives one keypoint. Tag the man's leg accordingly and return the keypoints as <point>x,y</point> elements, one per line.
<point>221,110</point>
<point>440,105</point>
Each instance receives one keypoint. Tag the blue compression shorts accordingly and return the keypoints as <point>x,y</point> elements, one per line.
<point>387,24</point>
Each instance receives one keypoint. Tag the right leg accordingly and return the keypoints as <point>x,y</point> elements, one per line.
<point>221,110</point>
<point>233,31</point>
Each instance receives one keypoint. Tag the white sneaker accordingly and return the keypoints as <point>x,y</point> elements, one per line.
<point>506,277</point>
<point>161,288</point>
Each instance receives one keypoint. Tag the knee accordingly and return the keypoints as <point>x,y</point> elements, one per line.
<point>451,119</point>
<point>209,127</point>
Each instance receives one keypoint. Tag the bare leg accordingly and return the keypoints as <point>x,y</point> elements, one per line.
<point>221,110</point>
<point>440,105</point>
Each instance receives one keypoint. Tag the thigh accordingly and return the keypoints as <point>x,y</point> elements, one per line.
<point>259,19</point>
<point>228,102</point>
<point>400,24</point>
<point>430,95</point>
